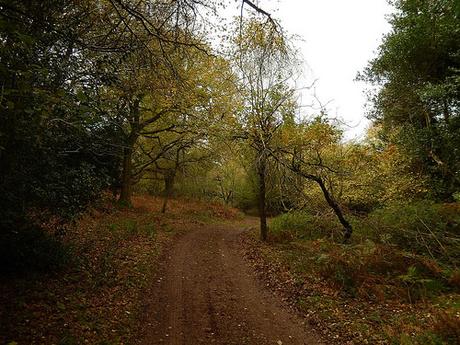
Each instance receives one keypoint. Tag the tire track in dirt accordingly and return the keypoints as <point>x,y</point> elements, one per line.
<point>206,293</point>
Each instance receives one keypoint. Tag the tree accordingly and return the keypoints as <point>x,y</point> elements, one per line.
<point>264,63</point>
<point>378,173</point>
<point>141,99</point>
<point>312,150</point>
<point>55,147</point>
<point>168,112</point>
<point>50,147</point>
<point>417,70</point>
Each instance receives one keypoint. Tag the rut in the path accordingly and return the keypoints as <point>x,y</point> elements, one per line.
<point>205,293</point>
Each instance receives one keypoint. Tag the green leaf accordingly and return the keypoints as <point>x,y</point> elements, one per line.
<point>81,96</point>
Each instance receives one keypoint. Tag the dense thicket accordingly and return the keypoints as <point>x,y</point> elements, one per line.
<point>53,146</point>
<point>418,69</point>
<point>80,81</point>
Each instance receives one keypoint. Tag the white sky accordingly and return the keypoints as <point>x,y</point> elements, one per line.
<point>339,37</point>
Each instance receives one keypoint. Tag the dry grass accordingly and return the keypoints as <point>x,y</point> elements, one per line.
<point>447,325</point>
<point>186,207</point>
<point>362,294</point>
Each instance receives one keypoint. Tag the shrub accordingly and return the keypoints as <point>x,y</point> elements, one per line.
<point>343,270</point>
<point>377,271</point>
<point>31,249</point>
<point>245,199</point>
<point>422,227</point>
<point>418,285</point>
<point>292,225</point>
<point>302,225</point>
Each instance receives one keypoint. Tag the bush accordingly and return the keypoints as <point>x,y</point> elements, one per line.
<point>292,225</point>
<point>31,249</point>
<point>422,227</point>
<point>301,225</point>
<point>378,271</point>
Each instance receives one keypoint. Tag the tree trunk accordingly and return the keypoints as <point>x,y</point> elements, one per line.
<point>127,168</point>
<point>348,229</point>
<point>337,210</point>
<point>262,202</point>
<point>126,183</point>
<point>169,184</point>
<point>127,172</point>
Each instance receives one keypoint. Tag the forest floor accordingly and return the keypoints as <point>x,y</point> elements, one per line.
<point>199,275</point>
<point>378,312</point>
<point>136,276</point>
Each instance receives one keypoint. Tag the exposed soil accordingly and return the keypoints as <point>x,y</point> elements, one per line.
<point>206,293</point>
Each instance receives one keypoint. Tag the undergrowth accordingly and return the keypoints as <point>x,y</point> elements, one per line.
<point>424,228</point>
<point>33,250</point>
<point>90,292</point>
<point>404,255</point>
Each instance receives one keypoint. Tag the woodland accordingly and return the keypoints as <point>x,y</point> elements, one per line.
<point>108,107</point>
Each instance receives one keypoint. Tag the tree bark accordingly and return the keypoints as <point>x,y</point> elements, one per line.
<point>262,199</point>
<point>127,167</point>
<point>348,230</point>
<point>170,176</point>
<point>127,171</point>
<point>169,184</point>
<point>126,176</point>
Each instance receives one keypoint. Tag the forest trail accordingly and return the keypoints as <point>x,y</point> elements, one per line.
<point>206,293</point>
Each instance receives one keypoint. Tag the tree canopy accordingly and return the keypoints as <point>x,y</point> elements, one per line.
<point>417,102</point>
<point>126,96</point>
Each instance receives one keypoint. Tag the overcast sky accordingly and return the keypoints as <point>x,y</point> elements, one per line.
<point>339,37</point>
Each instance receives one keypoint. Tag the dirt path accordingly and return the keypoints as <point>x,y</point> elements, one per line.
<point>206,293</point>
